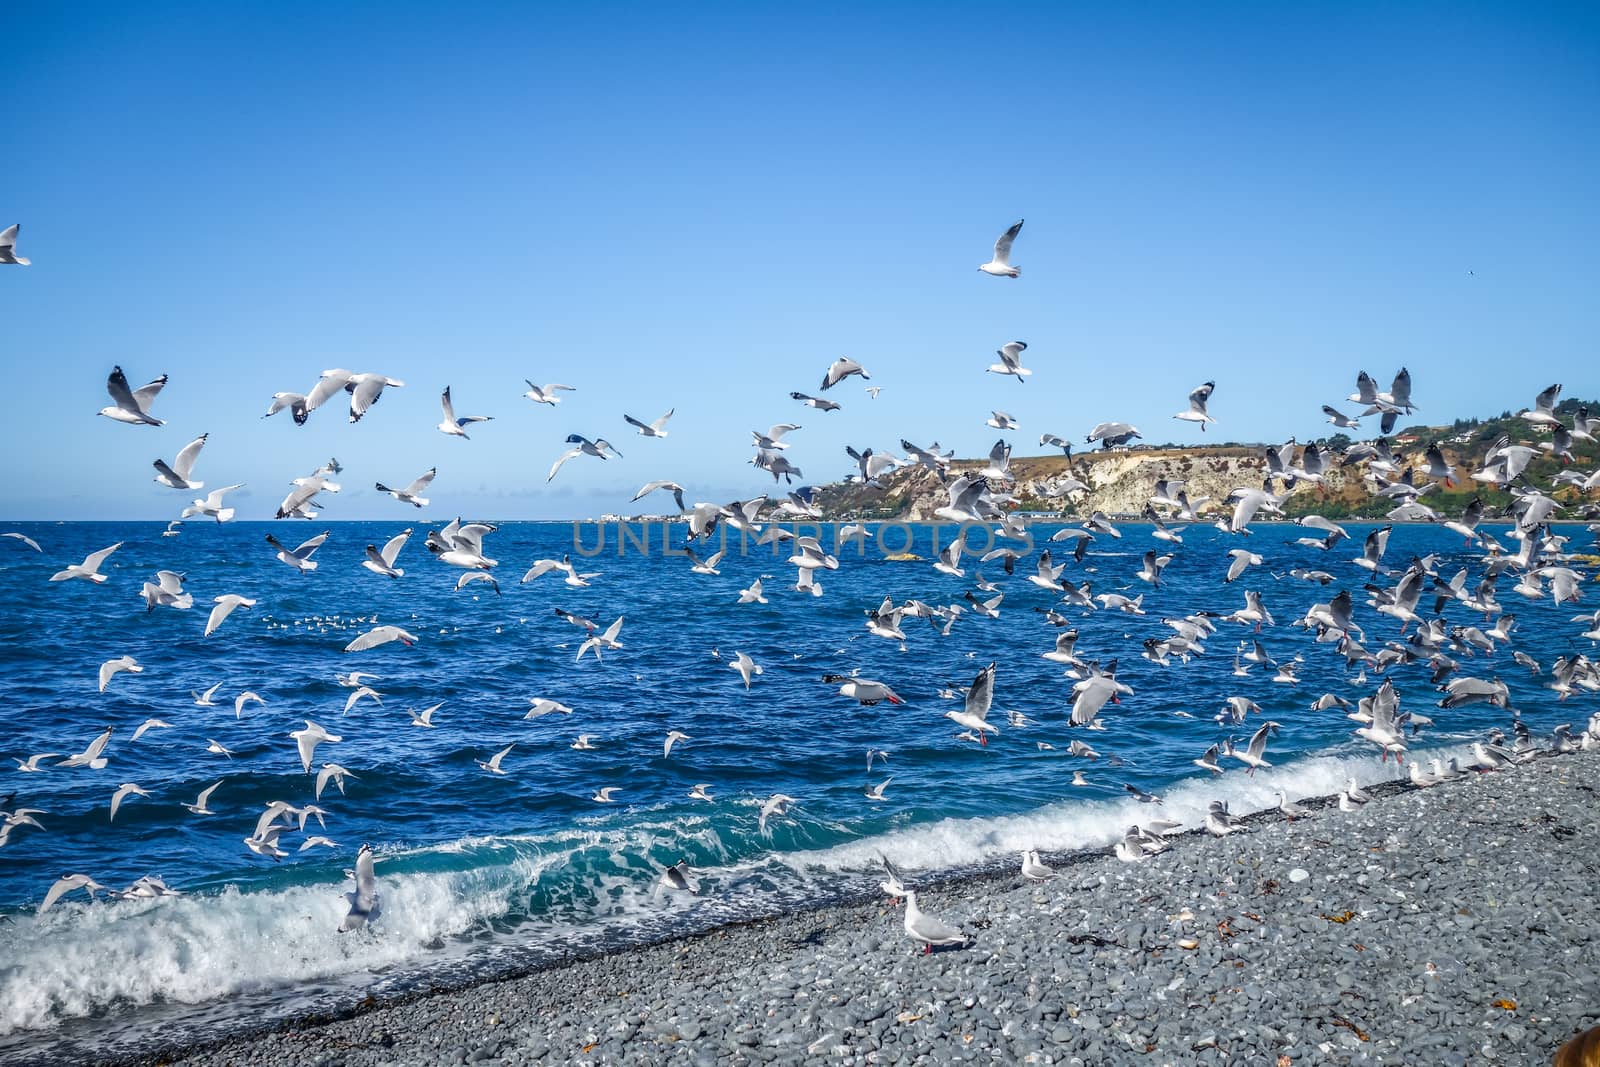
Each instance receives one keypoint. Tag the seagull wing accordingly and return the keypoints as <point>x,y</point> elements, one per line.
<point>1002,247</point>
<point>568,454</point>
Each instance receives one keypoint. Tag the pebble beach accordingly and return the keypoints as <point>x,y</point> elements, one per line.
<point>1448,925</point>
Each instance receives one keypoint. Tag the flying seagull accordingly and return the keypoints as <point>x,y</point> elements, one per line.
<point>364,906</point>
<point>411,494</point>
<point>1011,361</point>
<point>1000,266</point>
<point>450,424</point>
<point>177,475</point>
<point>841,369</point>
<point>545,394</point>
<point>225,606</point>
<point>1197,406</point>
<point>815,402</point>
<point>582,446</point>
<point>8,247</point>
<point>657,428</point>
<point>89,569</point>
<point>129,405</point>
<point>382,561</point>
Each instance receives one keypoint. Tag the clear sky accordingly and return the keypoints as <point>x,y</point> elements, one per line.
<point>702,206</point>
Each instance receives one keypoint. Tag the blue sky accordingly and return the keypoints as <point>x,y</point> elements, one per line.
<point>700,207</point>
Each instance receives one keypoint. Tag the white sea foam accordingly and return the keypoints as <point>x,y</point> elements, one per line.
<point>78,959</point>
<point>1087,823</point>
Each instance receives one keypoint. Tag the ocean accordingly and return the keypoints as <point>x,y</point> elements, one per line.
<point>481,875</point>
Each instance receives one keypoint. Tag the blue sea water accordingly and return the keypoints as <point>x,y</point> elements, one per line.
<point>481,873</point>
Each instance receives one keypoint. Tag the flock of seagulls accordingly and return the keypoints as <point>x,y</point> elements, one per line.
<point>1439,610</point>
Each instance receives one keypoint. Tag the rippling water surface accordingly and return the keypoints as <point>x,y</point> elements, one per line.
<point>480,873</point>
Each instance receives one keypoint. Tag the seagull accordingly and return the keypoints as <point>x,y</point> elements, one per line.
<point>1000,266</point>
<point>1242,558</point>
<point>893,884</point>
<point>31,764</point>
<point>8,248</point>
<point>546,394</point>
<point>606,640</point>
<point>542,706</point>
<point>411,494</point>
<point>1034,868</point>
<point>926,928</point>
<point>1197,406</point>
<point>1112,434</point>
<point>202,803</point>
<point>776,804</point>
<point>875,792</point>
<point>225,606</point>
<point>177,475</point>
<point>25,539</point>
<point>584,743</point>
<point>204,700</point>
<point>1209,760</point>
<point>1340,419</point>
<point>450,424</point>
<point>113,667</point>
<point>246,697</point>
<point>841,369</point>
<point>380,635</point>
<point>66,884</point>
<point>129,405</point>
<point>542,567</point>
<point>166,590</point>
<point>215,747</point>
<point>582,446</point>
<point>89,569</point>
<point>1289,808</point>
<point>680,877</point>
<point>149,724</point>
<point>300,558</point>
<point>424,718</point>
<point>753,594</point>
<point>974,714</point>
<point>657,428</point>
<point>308,739</point>
<point>1220,822</point>
<point>364,905</point>
<point>1543,411</point>
<point>672,487</point>
<point>704,566</point>
<point>123,792</point>
<point>700,791</point>
<point>355,679</point>
<point>1011,361</point>
<point>365,390</point>
<point>1254,755</point>
<point>210,505</point>
<point>334,772</point>
<point>382,562</point>
<point>364,691</point>
<point>746,667</point>
<point>605,795</point>
<point>294,403</point>
<point>820,403</point>
<point>1000,421</point>
<point>492,764</point>
<point>317,839</point>
<point>468,577</point>
<point>673,737</point>
<point>865,690</point>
